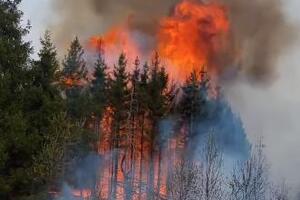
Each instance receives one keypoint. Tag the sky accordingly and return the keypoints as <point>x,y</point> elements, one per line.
<point>272,111</point>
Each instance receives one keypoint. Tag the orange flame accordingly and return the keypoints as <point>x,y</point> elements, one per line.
<point>196,34</point>
<point>193,36</point>
<point>117,40</point>
<point>85,193</point>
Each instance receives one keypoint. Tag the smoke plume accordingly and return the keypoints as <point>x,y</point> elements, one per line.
<point>259,30</point>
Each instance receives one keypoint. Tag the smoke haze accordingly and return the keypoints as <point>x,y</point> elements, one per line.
<point>260,32</point>
<point>276,120</point>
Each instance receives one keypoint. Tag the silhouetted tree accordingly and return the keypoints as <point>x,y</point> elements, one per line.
<point>74,78</point>
<point>119,98</point>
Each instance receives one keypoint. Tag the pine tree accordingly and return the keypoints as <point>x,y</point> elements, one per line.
<point>157,89</point>
<point>74,77</point>
<point>47,67</point>
<point>43,103</point>
<point>15,144</point>
<point>143,99</point>
<point>99,91</point>
<point>193,105</point>
<point>99,86</point>
<point>129,172</point>
<point>119,98</point>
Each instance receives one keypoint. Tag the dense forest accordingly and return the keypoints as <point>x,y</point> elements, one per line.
<point>69,130</point>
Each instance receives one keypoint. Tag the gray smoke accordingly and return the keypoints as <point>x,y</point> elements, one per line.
<point>260,32</point>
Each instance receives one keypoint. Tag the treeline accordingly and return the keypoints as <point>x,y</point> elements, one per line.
<point>143,129</point>
<point>41,138</point>
<point>52,115</point>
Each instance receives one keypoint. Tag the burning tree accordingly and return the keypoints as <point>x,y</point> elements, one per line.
<point>148,130</point>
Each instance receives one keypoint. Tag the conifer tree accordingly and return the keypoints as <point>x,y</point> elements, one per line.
<point>15,142</point>
<point>190,104</point>
<point>193,105</point>
<point>129,170</point>
<point>74,77</point>
<point>43,103</point>
<point>99,90</point>
<point>157,89</point>
<point>46,68</point>
<point>119,98</point>
<point>143,99</point>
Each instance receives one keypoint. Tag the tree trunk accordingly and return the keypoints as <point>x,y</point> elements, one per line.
<point>141,156</point>
<point>159,171</point>
<point>150,192</point>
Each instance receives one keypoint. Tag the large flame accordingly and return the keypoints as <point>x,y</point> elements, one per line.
<point>117,40</point>
<point>196,34</point>
<point>193,37</point>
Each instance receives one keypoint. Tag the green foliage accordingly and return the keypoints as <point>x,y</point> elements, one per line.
<point>193,106</point>
<point>99,87</point>
<point>15,145</point>
<point>119,93</point>
<point>35,135</point>
<point>74,75</point>
<point>47,67</point>
<point>157,88</point>
<point>74,64</point>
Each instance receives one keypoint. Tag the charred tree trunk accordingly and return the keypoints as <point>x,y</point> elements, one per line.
<point>159,171</point>
<point>150,191</point>
<point>115,161</point>
<point>141,156</point>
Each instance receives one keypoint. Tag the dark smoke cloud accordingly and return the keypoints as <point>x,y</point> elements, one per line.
<point>87,17</point>
<point>260,31</point>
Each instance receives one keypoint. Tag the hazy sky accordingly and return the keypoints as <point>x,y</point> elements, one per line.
<point>272,112</point>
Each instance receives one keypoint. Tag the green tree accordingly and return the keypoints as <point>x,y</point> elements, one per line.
<point>194,105</point>
<point>47,67</point>
<point>42,103</point>
<point>99,90</point>
<point>129,170</point>
<point>119,98</point>
<point>158,104</point>
<point>74,78</point>
<point>15,143</point>
<point>142,99</point>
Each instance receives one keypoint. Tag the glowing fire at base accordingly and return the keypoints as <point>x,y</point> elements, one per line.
<point>82,194</point>
<point>194,36</point>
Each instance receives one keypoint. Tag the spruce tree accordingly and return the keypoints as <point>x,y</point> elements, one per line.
<point>47,66</point>
<point>74,78</point>
<point>15,145</point>
<point>119,98</point>
<point>143,99</point>
<point>157,89</point>
<point>190,103</point>
<point>99,90</point>
<point>194,106</point>
<point>43,103</point>
<point>129,170</point>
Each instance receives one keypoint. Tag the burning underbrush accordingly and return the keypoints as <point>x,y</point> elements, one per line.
<point>164,128</point>
<point>146,127</point>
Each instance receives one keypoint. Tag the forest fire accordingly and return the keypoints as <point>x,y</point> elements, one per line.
<point>137,112</point>
<point>193,36</point>
<point>191,39</point>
